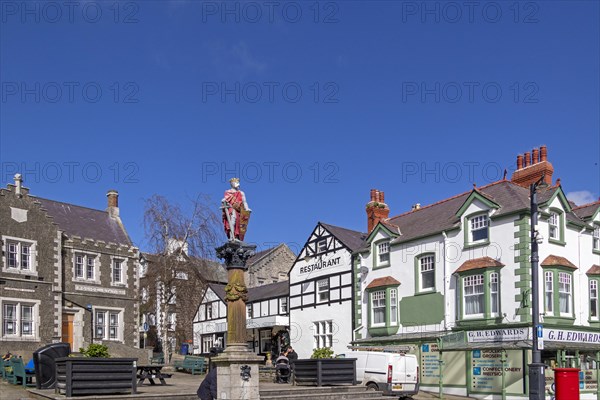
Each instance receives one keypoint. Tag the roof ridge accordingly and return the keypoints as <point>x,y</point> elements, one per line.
<point>341,227</point>
<point>431,205</point>
<point>69,204</point>
<point>587,204</point>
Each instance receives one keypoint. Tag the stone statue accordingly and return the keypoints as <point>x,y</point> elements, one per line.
<point>236,212</point>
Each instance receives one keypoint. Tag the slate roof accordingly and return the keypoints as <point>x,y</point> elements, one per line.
<point>557,261</point>
<point>85,222</point>
<point>478,263</point>
<point>219,290</point>
<point>351,239</point>
<point>587,210</point>
<point>261,254</point>
<point>272,290</point>
<point>441,216</point>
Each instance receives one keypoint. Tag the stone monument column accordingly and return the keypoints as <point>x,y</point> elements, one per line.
<point>237,367</point>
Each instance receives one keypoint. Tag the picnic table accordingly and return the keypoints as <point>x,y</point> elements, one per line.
<point>151,372</point>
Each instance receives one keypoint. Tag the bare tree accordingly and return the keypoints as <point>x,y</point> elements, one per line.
<point>180,263</point>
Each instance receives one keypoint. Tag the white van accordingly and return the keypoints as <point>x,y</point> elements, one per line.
<point>393,373</point>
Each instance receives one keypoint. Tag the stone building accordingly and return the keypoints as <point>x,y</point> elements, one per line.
<point>67,271</point>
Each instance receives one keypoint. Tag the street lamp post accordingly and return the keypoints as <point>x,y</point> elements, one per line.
<point>537,378</point>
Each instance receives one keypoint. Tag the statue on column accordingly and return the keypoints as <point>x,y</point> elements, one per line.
<point>236,212</point>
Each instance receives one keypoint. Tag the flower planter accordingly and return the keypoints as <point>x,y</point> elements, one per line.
<point>88,375</point>
<point>325,371</point>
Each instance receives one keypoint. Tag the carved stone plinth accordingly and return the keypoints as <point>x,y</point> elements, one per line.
<point>237,367</point>
<point>237,373</point>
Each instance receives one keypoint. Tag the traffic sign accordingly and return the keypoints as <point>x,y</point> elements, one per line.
<point>145,327</point>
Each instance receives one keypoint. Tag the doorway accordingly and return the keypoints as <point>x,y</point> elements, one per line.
<point>67,329</point>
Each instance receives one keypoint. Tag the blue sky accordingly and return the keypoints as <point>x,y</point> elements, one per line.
<point>311,103</point>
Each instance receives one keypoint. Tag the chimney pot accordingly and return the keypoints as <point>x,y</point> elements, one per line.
<point>18,184</point>
<point>372,194</point>
<point>519,161</point>
<point>536,156</point>
<point>113,203</point>
<point>543,153</point>
<point>527,159</point>
<point>382,197</point>
<point>376,213</point>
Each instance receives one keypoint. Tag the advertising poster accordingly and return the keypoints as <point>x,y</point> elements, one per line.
<point>486,371</point>
<point>453,366</point>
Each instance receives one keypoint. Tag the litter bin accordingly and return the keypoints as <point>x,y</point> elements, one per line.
<point>566,381</point>
<point>185,348</point>
<point>45,366</point>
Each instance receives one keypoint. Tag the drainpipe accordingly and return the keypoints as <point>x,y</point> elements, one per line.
<point>503,360</point>
<point>446,282</point>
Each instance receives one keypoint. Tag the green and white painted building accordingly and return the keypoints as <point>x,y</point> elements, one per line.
<point>452,281</point>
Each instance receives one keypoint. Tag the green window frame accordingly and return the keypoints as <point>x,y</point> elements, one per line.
<point>559,294</point>
<point>556,226</point>
<point>425,267</point>
<point>476,229</point>
<point>596,239</point>
<point>485,284</point>
<point>593,286</point>
<point>381,254</point>
<point>383,300</point>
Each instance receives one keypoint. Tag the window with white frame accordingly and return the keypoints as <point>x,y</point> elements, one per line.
<point>18,319</point>
<point>393,307</point>
<point>209,311</point>
<point>323,334</point>
<point>85,266</point>
<point>20,255</point>
<point>554,227</point>
<point>427,272</point>
<point>479,226</point>
<point>265,341</point>
<point>283,305</point>
<point>494,293</point>
<point>108,324</point>
<point>208,341</point>
<point>323,290</point>
<point>383,252</point>
<point>474,295</point>
<point>593,299</point>
<point>564,292</point>
<point>322,246</point>
<point>378,307</point>
<point>596,238</point>
<point>549,288</point>
<point>117,271</point>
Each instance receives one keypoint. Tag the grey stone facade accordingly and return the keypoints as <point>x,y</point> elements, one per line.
<point>60,267</point>
<point>269,266</point>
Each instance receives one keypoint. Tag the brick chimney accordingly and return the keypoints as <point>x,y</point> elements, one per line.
<point>531,167</point>
<point>113,203</point>
<point>376,208</point>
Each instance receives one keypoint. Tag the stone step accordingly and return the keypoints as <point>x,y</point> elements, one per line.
<point>323,393</point>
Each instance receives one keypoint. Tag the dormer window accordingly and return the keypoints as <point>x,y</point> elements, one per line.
<point>383,253</point>
<point>479,227</point>
<point>554,227</point>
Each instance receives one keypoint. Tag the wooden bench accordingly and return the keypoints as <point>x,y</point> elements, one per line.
<point>158,358</point>
<point>192,363</point>
<point>19,371</point>
<point>6,369</point>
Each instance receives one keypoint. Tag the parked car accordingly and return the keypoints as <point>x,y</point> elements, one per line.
<point>394,374</point>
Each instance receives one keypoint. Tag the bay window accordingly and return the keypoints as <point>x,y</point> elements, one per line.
<point>378,307</point>
<point>473,295</point>
<point>593,299</point>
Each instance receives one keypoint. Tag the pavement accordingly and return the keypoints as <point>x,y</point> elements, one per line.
<point>179,384</point>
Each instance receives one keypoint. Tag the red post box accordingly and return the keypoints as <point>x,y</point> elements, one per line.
<point>566,381</point>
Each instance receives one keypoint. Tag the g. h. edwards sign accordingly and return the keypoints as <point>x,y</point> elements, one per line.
<point>498,335</point>
<point>320,264</point>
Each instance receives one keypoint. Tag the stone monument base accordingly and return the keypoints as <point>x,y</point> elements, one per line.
<point>231,364</point>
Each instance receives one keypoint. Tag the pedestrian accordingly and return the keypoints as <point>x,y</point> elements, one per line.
<point>208,387</point>
<point>291,354</point>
